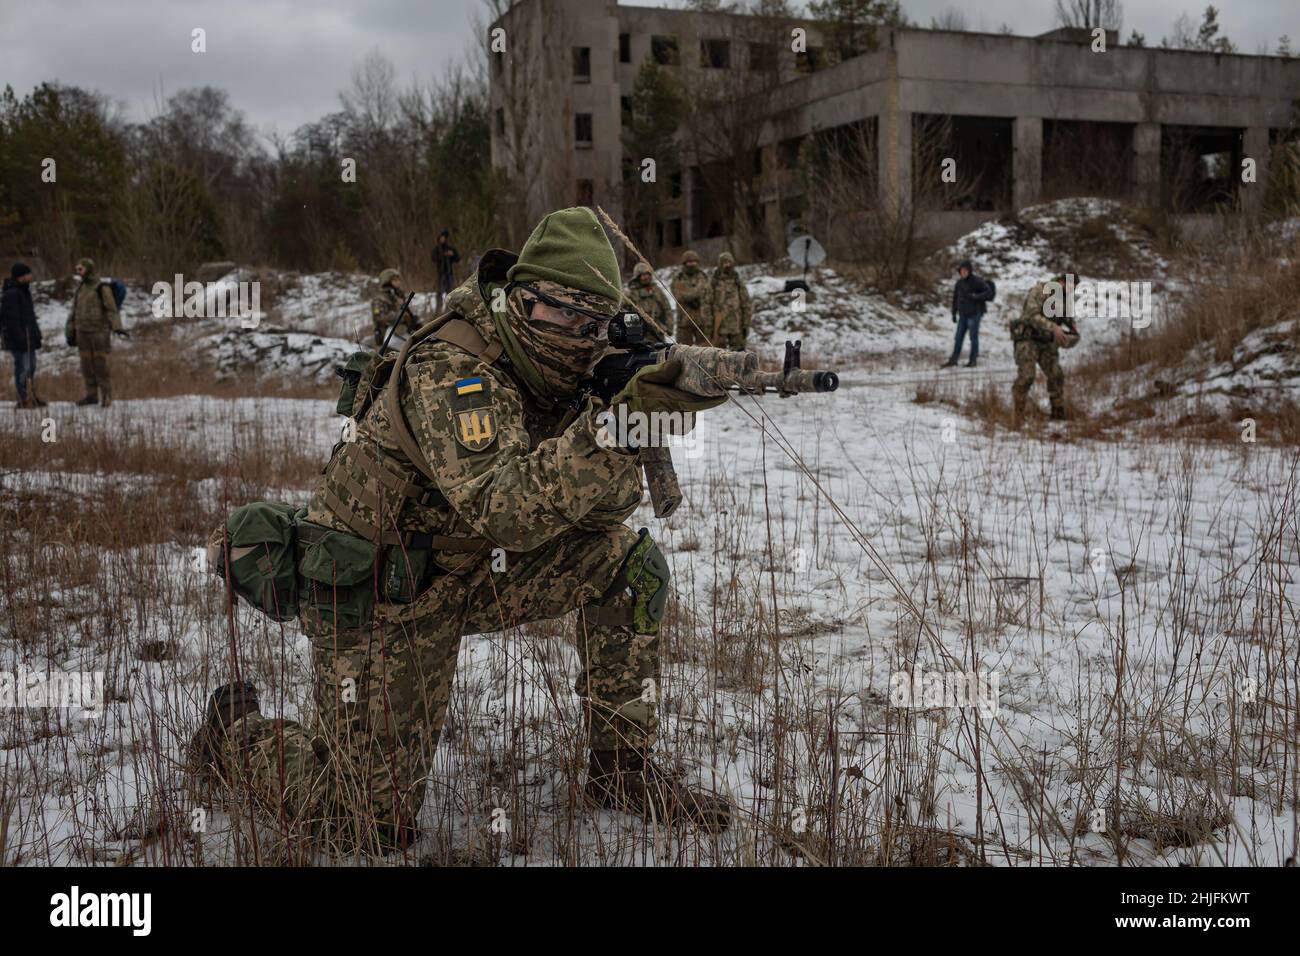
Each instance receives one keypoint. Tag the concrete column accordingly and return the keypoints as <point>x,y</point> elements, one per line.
<point>1146,163</point>
<point>1254,146</point>
<point>894,146</point>
<point>1027,162</point>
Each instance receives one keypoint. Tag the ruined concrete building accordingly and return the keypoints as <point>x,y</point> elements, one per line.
<point>958,126</point>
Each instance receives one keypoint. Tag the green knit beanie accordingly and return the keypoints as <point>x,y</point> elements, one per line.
<point>570,247</point>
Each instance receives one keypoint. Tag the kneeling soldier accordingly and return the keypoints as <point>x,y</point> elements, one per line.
<point>484,456</point>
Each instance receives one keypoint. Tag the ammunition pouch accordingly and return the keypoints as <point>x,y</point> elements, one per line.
<point>337,573</point>
<point>256,553</point>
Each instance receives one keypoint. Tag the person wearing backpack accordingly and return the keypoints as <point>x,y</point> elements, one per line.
<point>970,295</point>
<point>19,332</point>
<point>93,319</point>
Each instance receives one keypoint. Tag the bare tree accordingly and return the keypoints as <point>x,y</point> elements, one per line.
<point>859,220</point>
<point>1089,14</point>
<point>950,19</point>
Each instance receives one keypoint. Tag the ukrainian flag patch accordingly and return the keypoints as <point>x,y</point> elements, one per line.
<point>468,386</point>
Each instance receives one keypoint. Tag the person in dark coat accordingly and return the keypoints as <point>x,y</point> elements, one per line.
<point>445,258</point>
<point>19,332</point>
<point>969,295</point>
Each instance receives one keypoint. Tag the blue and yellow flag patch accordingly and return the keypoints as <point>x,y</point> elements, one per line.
<point>468,386</point>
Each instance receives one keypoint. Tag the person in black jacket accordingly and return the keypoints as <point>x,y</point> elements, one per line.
<point>445,257</point>
<point>969,295</point>
<point>19,332</point>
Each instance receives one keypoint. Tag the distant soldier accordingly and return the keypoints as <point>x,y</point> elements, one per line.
<point>91,321</point>
<point>445,258</point>
<point>731,307</point>
<point>1038,336</point>
<point>387,303</point>
<point>694,298</point>
<point>650,299</point>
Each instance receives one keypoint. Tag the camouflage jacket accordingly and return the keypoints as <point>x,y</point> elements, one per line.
<point>652,301</point>
<point>93,309</point>
<point>731,307</point>
<point>508,469</point>
<point>1031,324</point>
<point>383,312</point>
<point>695,295</point>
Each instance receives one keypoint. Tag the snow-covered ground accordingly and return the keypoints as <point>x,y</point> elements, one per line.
<point>929,545</point>
<point>1128,609</point>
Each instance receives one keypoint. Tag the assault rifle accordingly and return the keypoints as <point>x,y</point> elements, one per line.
<point>707,372</point>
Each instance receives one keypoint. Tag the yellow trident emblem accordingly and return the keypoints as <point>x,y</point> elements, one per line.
<point>476,428</point>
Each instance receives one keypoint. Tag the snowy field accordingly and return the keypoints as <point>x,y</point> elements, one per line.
<point>1130,612</point>
<point>897,635</point>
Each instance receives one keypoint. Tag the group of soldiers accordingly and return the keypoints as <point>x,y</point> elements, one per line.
<point>712,309</point>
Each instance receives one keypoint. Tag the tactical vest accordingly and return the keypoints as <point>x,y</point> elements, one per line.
<point>394,499</point>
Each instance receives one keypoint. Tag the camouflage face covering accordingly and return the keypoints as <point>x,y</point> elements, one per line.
<point>561,354</point>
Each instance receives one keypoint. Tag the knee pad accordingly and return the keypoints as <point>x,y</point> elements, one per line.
<point>645,573</point>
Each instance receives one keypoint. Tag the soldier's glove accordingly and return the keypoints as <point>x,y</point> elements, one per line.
<point>653,389</point>
<point>122,333</point>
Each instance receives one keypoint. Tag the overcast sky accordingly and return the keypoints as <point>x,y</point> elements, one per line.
<point>285,61</point>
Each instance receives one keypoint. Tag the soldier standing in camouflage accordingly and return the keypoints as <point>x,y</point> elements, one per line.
<point>387,303</point>
<point>494,502</point>
<point>731,307</point>
<point>650,299</point>
<point>694,298</point>
<point>91,321</point>
<point>1038,341</point>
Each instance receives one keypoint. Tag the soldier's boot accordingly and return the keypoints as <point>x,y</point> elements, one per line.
<point>34,400</point>
<point>1059,413</point>
<point>628,780</point>
<point>949,364</point>
<point>971,363</point>
<point>90,399</point>
<point>228,703</point>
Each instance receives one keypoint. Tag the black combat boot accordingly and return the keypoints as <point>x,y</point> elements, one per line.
<point>629,781</point>
<point>91,399</point>
<point>949,364</point>
<point>228,703</point>
<point>971,363</point>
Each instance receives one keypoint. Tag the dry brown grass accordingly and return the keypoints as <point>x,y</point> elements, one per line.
<point>151,365</point>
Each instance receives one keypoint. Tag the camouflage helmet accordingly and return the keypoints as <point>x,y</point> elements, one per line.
<point>642,268</point>
<point>388,275</point>
<point>726,259</point>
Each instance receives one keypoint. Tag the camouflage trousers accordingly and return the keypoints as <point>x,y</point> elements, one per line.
<point>93,349</point>
<point>687,321</point>
<point>1031,356</point>
<point>382,691</point>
